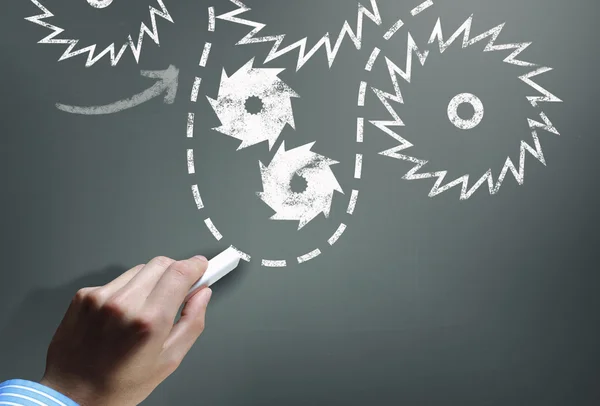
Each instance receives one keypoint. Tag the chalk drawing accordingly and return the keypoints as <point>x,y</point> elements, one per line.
<point>421,7</point>
<point>211,19</point>
<point>190,162</point>
<point>372,59</point>
<point>242,254</point>
<point>309,256</point>
<point>213,229</point>
<point>353,200</point>
<point>362,93</point>
<point>274,263</point>
<point>167,83</point>
<point>114,52</point>
<point>358,166</point>
<point>99,3</point>
<point>467,98</point>
<point>338,233</point>
<point>195,89</point>
<point>243,97</point>
<point>320,180</point>
<point>190,125</point>
<point>546,97</point>
<point>205,54</point>
<point>360,129</point>
<point>197,197</point>
<point>393,29</point>
<point>301,45</point>
<point>396,73</point>
<point>249,127</point>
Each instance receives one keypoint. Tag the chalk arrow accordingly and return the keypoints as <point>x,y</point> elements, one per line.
<point>167,81</point>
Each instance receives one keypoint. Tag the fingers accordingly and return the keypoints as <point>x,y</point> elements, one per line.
<point>174,285</point>
<point>104,293</point>
<point>116,284</point>
<point>189,327</point>
<point>73,313</point>
<point>129,291</point>
<point>145,280</point>
<point>146,295</point>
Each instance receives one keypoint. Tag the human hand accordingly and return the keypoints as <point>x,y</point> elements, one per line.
<point>117,343</point>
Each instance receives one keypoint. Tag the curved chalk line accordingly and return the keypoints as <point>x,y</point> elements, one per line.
<point>278,263</point>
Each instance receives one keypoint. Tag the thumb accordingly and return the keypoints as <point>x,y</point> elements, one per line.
<point>189,327</point>
<point>200,299</point>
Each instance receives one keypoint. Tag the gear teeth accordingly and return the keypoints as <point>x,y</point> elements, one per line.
<point>111,50</point>
<point>386,98</point>
<point>265,125</point>
<point>303,55</point>
<point>321,184</point>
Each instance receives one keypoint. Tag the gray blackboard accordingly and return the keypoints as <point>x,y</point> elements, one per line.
<point>486,300</point>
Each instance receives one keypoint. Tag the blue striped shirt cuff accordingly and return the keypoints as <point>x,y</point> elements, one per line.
<point>19,392</point>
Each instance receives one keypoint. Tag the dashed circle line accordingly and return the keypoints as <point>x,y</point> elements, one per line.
<point>205,54</point>
<point>393,29</point>
<point>359,140</point>
<point>372,59</point>
<point>242,254</point>
<point>307,257</point>
<point>421,7</point>
<point>196,191</point>
<point>274,263</point>
<point>197,197</point>
<point>362,94</point>
<point>360,129</point>
<point>211,19</point>
<point>358,166</point>
<point>190,162</point>
<point>338,233</point>
<point>362,87</point>
<point>352,203</point>
<point>195,89</point>
<point>190,125</point>
<point>213,229</point>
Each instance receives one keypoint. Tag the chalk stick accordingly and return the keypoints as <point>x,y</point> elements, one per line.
<point>218,267</point>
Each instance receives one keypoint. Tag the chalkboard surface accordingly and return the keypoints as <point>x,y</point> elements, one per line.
<point>387,276</point>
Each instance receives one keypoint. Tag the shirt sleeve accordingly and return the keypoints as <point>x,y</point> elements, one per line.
<point>20,392</point>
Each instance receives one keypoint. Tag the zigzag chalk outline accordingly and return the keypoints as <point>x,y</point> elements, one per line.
<point>115,56</point>
<point>465,28</point>
<point>303,56</point>
<point>413,174</point>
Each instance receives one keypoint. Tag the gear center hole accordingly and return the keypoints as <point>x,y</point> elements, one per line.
<point>254,105</point>
<point>466,111</point>
<point>298,184</point>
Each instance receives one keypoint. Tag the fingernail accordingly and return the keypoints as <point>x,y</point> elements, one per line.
<point>206,294</point>
<point>201,258</point>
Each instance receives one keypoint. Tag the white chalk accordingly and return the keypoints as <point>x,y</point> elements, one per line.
<point>218,267</point>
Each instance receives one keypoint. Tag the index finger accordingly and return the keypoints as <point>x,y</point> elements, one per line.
<point>174,284</point>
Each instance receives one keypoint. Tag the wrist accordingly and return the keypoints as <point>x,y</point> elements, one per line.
<point>77,393</point>
<point>19,391</point>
